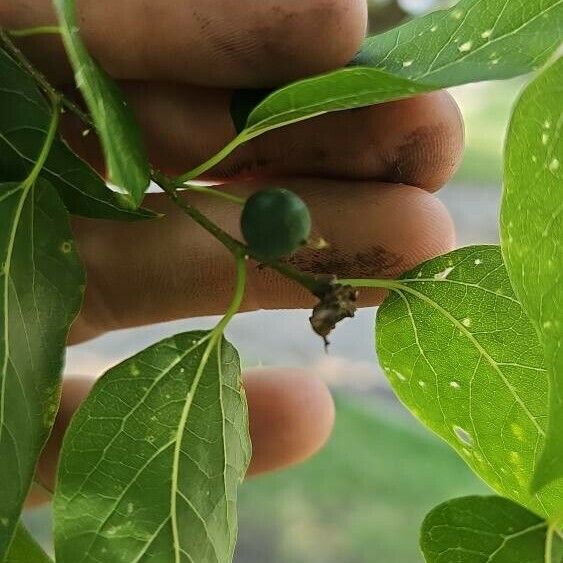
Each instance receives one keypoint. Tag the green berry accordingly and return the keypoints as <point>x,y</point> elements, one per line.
<point>275,223</point>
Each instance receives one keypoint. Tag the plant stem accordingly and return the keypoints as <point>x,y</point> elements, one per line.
<point>310,282</point>
<point>40,78</point>
<point>379,284</point>
<point>549,543</point>
<point>31,31</point>
<point>215,192</point>
<point>48,143</point>
<point>238,295</point>
<point>216,159</point>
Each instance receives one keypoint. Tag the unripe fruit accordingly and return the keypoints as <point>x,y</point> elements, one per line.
<point>275,223</point>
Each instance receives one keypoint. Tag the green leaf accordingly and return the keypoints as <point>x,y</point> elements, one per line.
<point>339,90</point>
<point>24,119</point>
<point>472,41</point>
<point>120,136</point>
<point>41,285</point>
<point>343,89</point>
<point>25,549</point>
<point>532,235</point>
<point>151,463</point>
<point>486,530</point>
<point>464,358</point>
<point>476,40</point>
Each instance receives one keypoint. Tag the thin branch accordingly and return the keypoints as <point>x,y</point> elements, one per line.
<point>21,60</point>
<point>317,286</point>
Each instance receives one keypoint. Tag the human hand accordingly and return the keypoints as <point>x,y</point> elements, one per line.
<point>178,63</point>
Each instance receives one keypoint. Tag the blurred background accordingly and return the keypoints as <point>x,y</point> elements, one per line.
<point>363,498</point>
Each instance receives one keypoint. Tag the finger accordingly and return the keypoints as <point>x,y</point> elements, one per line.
<point>248,43</point>
<point>291,416</point>
<point>418,141</point>
<point>171,268</point>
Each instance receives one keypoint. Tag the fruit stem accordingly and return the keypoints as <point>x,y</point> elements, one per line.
<point>315,285</point>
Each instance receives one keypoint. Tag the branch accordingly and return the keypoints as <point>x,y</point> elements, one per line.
<point>316,285</point>
<point>23,62</point>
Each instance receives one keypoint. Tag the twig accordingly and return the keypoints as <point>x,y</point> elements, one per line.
<point>21,60</point>
<point>314,284</point>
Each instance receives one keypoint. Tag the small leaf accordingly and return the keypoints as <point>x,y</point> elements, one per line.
<point>151,463</point>
<point>472,41</point>
<point>532,235</point>
<point>24,119</point>
<point>119,133</point>
<point>41,284</point>
<point>486,530</point>
<point>343,89</point>
<point>464,358</point>
<point>25,549</point>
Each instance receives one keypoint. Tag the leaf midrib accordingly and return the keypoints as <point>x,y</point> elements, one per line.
<point>26,188</point>
<point>174,488</point>
<point>167,370</point>
<point>399,286</point>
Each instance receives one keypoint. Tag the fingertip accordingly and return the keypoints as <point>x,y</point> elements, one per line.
<point>291,416</point>
<point>431,147</point>
<point>338,26</point>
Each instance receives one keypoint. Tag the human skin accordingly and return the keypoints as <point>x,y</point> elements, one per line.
<point>368,176</point>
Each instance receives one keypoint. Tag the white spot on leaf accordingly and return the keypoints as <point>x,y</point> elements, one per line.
<point>455,385</point>
<point>517,430</point>
<point>399,375</point>
<point>406,64</point>
<point>463,436</point>
<point>465,47</point>
<point>444,273</point>
<point>554,165</point>
<point>466,322</point>
<point>486,34</point>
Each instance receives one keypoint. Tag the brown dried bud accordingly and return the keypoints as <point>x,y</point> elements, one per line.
<point>336,303</point>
